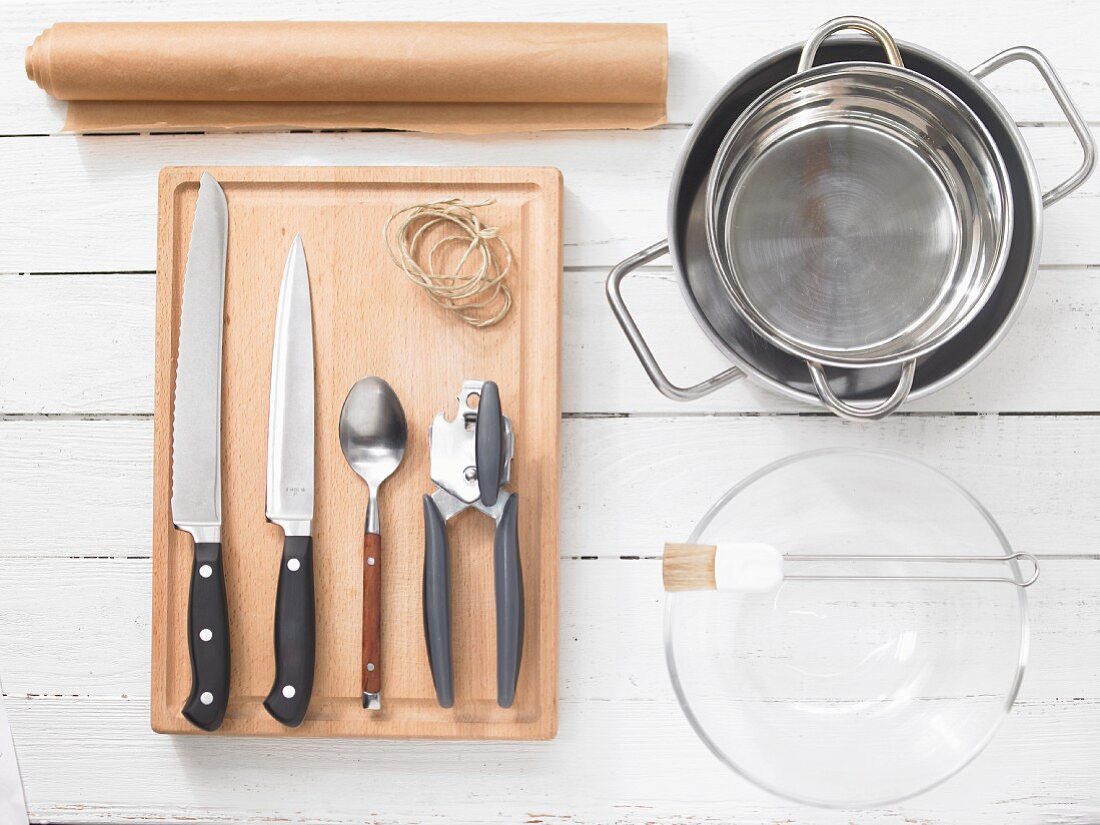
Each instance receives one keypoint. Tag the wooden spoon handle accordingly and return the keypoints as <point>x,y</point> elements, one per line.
<point>372,616</point>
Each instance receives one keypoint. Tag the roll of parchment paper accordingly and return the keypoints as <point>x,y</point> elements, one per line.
<point>442,77</point>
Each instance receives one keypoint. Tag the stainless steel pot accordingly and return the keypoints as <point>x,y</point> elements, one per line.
<point>872,392</point>
<point>859,213</point>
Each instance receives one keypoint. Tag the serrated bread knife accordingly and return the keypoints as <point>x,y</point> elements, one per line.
<point>196,454</point>
<point>290,437</point>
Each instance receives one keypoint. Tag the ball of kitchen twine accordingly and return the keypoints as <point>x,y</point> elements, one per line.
<point>474,289</point>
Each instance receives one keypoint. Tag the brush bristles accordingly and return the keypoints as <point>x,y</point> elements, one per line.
<point>689,567</point>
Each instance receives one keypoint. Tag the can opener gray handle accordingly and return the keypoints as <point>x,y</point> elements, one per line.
<point>492,449</point>
<point>508,589</point>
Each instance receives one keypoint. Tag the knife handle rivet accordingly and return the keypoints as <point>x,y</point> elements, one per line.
<point>207,698</point>
<point>289,691</point>
<point>206,634</point>
<point>370,666</point>
<point>206,571</point>
<point>293,565</point>
<point>370,560</point>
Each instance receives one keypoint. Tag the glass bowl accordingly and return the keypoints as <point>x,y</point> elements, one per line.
<point>851,693</point>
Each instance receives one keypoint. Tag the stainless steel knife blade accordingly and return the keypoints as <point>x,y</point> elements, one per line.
<point>196,455</point>
<point>290,492</point>
<point>196,428</point>
<point>290,431</point>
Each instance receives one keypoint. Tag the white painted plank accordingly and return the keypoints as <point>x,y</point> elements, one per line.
<point>82,488</point>
<point>83,344</point>
<point>710,40</point>
<point>76,343</point>
<point>631,484</point>
<point>76,488</point>
<point>95,760</point>
<point>80,627</point>
<point>90,203</point>
<point>1037,368</point>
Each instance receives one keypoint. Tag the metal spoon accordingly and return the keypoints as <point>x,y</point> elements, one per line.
<point>373,433</point>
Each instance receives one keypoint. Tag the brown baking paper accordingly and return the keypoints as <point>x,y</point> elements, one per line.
<point>430,77</point>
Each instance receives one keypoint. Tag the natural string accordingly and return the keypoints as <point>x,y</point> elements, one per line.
<point>481,298</point>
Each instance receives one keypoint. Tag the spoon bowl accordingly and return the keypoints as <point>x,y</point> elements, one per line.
<point>373,431</point>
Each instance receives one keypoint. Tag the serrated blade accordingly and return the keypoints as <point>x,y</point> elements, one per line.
<point>196,422</point>
<point>290,416</point>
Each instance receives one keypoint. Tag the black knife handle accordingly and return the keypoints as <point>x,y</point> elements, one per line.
<point>437,604</point>
<point>208,639</point>
<point>295,634</point>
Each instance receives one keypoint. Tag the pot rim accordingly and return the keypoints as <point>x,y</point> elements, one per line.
<point>869,357</point>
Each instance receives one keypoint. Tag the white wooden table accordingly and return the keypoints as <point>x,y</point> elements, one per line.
<point>77,243</point>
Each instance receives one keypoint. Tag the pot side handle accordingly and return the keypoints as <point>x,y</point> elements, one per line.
<point>638,342</point>
<point>855,412</point>
<point>1061,96</point>
<point>839,24</point>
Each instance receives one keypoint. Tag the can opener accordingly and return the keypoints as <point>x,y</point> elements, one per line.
<point>471,459</point>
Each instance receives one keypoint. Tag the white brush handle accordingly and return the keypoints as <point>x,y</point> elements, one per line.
<point>747,568</point>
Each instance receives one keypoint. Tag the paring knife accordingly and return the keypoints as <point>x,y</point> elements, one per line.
<point>290,481</point>
<point>196,454</point>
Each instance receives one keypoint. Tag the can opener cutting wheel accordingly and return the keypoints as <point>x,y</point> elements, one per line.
<point>471,459</point>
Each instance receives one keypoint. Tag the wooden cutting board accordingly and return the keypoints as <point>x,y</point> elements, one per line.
<point>368,320</point>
